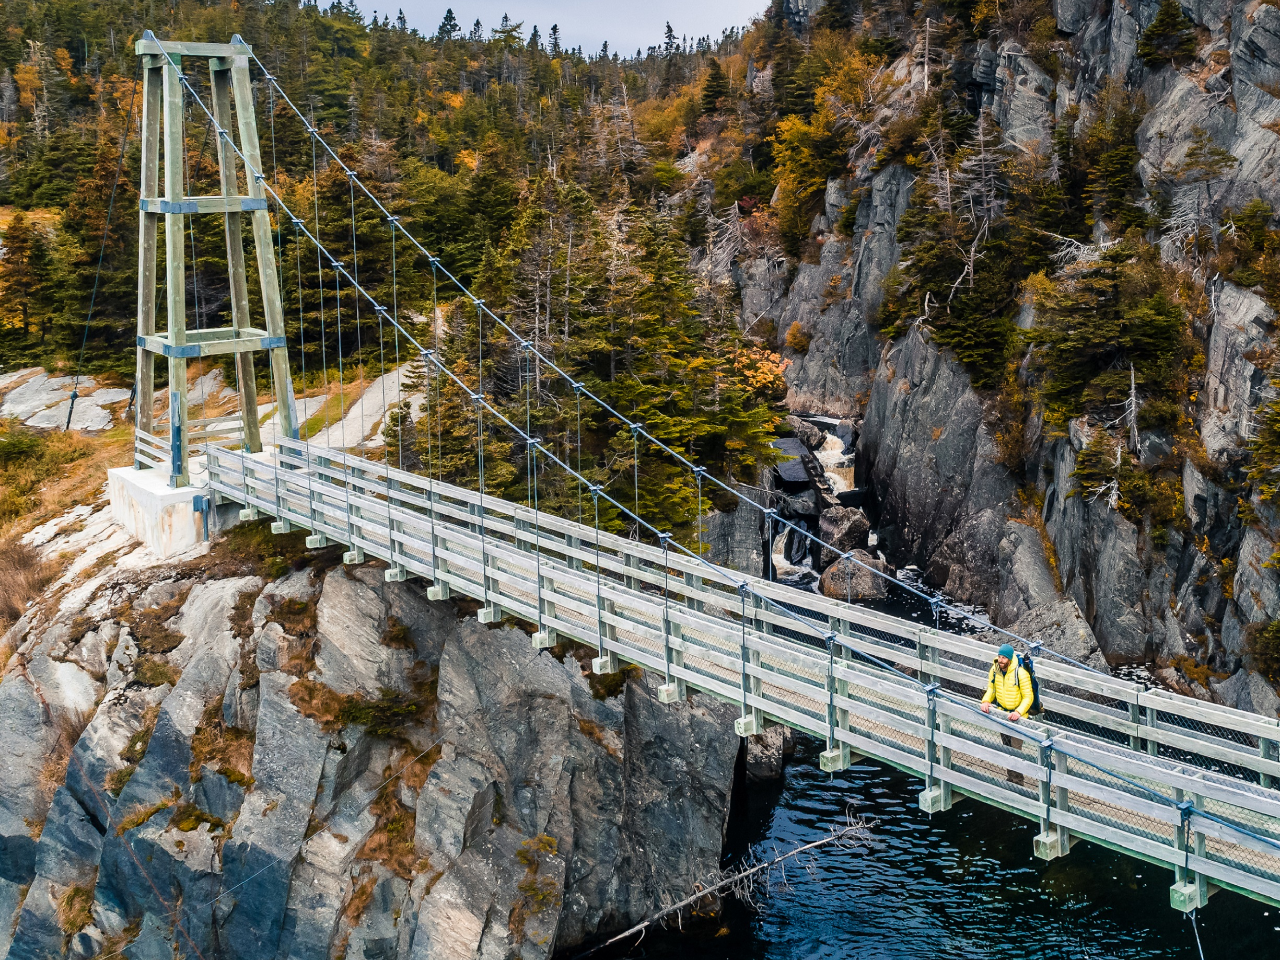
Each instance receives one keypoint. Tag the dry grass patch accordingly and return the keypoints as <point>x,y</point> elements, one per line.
<point>361,897</point>
<point>43,474</point>
<point>75,909</point>
<point>242,614</point>
<point>537,893</point>
<point>316,701</point>
<point>595,733</point>
<point>251,548</point>
<point>391,842</point>
<point>155,672</point>
<point>149,626</point>
<point>141,815</point>
<point>112,946</point>
<point>187,817</point>
<point>296,617</point>
<point>53,774</point>
<point>229,750</point>
<point>23,576</point>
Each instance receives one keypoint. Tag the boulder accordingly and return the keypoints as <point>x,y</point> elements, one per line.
<point>855,579</point>
<point>1246,690</point>
<point>767,753</point>
<point>845,529</point>
<point>806,432</point>
<point>798,466</point>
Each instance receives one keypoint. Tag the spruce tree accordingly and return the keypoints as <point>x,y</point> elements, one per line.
<point>715,88</point>
<point>1171,35</point>
<point>26,276</point>
<point>449,28</point>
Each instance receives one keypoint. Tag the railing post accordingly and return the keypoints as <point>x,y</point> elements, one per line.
<point>489,612</point>
<point>1135,717</point>
<point>439,589</point>
<point>673,690</point>
<point>1268,750</point>
<point>395,572</point>
<point>573,543</point>
<point>693,582</point>
<point>836,757</point>
<point>1151,716</point>
<point>545,637</point>
<point>317,538</point>
<point>607,661</point>
<point>250,511</point>
<point>356,554</point>
<point>1190,890</point>
<point>748,723</point>
<point>1053,840</point>
<point>934,798</point>
<point>281,524</point>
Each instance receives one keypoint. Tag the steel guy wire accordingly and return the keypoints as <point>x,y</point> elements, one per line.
<point>683,461</point>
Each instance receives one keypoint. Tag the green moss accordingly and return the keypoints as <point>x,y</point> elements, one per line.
<point>397,635</point>
<point>385,717</point>
<point>117,779</point>
<point>187,817</point>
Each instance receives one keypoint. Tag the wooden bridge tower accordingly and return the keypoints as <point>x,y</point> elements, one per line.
<point>162,124</point>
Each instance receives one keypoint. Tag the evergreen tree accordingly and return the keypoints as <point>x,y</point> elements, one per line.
<point>1170,37</point>
<point>835,15</point>
<point>26,277</point>
<point>449,28</point>
<point>715,88</point>
<point>553,39</point>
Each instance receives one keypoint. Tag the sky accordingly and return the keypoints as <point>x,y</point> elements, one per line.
<point>625,25</point>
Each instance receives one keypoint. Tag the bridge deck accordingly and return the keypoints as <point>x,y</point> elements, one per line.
<point>1171,780</point>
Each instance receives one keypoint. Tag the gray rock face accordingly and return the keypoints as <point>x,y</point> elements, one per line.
<point>931,459</point>
<point>736,539</point>
<point>1026,580</point>
<point>616,786</point>
<point>1232,382</point>
<point>550,816</point>
<point>1022,105</point>
<point>1059,626</point>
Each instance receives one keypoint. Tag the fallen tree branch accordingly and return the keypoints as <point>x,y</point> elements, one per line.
<point>853,835</point>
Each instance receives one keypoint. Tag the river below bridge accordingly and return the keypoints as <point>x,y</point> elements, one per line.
<point>962,884</point>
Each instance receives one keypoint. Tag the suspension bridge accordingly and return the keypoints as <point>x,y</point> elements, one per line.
<point>1190,786</point>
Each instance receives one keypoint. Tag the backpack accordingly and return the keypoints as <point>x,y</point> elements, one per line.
<point>1036,705</point>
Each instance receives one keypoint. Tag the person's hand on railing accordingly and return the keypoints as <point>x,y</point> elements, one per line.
<point>1015,716</point>
<point>986,708</point>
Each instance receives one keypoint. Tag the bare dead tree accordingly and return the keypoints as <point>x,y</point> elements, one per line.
<point>755,878</point>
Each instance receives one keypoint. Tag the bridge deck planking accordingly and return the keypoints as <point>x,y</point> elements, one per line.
<point>678,617</point>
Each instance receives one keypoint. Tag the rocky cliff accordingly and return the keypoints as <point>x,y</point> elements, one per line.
<point>261,753</point>
<point>1015,534</point>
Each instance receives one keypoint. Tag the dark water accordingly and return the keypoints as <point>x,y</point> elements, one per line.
<point>962,884</point>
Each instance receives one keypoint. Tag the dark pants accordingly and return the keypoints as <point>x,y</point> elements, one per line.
<point>1013,776</point>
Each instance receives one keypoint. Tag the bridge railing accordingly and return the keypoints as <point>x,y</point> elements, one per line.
<point>1112,763</point>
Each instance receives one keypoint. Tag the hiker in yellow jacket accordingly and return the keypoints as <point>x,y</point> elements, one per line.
<point>1008,686</point>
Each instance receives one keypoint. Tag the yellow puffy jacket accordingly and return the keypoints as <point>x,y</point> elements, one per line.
<point>1009,689</point>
